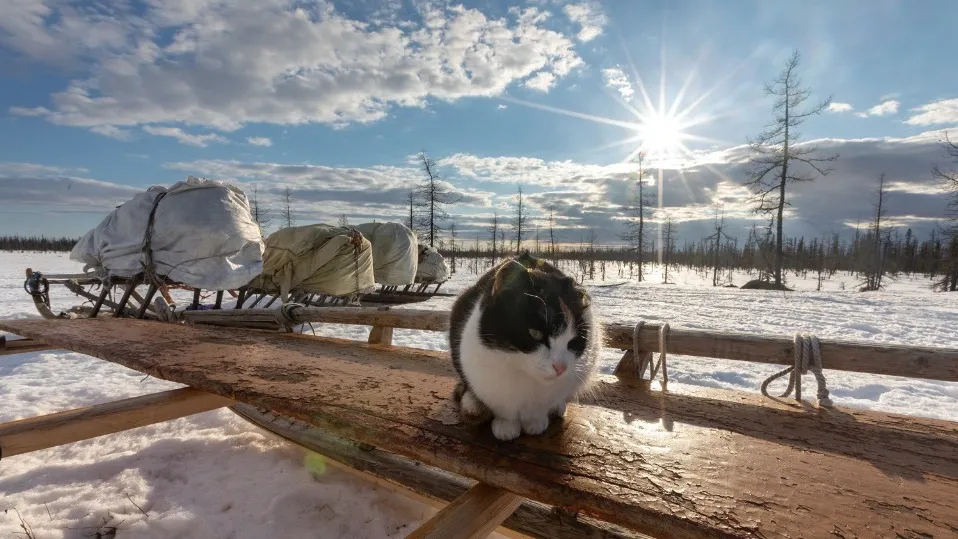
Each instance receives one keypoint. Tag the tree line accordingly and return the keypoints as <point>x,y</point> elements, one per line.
<point>36,243</point>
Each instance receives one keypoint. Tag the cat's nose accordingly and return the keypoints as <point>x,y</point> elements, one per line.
<point>559,368</point>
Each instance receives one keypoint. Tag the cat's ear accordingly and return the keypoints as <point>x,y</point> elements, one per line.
<point>509,275</point>
<point>569,284</point>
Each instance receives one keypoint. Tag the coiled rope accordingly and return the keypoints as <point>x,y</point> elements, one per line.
<point>642,362</point>
<point>807,357</point>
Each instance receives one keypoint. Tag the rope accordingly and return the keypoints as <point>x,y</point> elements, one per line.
<point>149,267</point>
<point>640,359</point>
<point>807,357</point>
<point>286,315</point>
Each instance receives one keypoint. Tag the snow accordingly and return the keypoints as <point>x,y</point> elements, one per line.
<point>215,475</point>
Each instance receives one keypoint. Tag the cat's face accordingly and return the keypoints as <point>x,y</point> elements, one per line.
<point>541,316</point>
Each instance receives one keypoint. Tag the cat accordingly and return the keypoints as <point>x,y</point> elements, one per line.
<point>524,341</point>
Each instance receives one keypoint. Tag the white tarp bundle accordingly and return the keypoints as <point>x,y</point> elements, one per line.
<point>202,235</point>
<point>432,266</point>
<point>395,256</point>
<point>317,259</point>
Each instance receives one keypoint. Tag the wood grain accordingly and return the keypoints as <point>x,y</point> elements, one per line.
<point>474,515</point>
<point>896,360</point>
<point>42,432</point>
<point>426,483</point>
<point>686,462</point>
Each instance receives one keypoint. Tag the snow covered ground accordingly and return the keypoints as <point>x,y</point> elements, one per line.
<point>214,475</point>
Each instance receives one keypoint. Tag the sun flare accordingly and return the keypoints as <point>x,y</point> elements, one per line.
<point>662,135</point>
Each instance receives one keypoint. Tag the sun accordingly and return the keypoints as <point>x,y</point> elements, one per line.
<point>662,135</point>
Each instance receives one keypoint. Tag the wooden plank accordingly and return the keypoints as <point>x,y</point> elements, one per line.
<point>35,433</point>
<point>897,360</point>
<point>474,515</point>
<point>426,483</point>
<point>21,346</point>
<point>689,462</point>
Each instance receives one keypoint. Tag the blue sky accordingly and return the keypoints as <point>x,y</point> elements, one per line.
<point>100,99</point>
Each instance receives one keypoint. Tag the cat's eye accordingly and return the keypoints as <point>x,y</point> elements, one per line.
<point>536,334</point>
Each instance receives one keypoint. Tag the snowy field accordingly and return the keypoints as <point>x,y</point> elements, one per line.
<point>213,475</point>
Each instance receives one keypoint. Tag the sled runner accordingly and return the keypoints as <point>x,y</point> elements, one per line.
<point>635,457</point>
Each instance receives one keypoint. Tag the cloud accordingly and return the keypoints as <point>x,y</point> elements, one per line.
<point>839,107</point>
<point>322,193</point>
<point>226,64</point>
<point>943,111</point>
<point>617,79</point>
<point>590,17</point>
<point>259,141</point>
<point>889,106</point>
<point>28,184</point>
<point>200,141</point>
<point>541,81</point>
<point>501,107</point>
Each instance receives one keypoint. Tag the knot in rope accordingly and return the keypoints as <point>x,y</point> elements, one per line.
<point>286,315</point>
<point>807,357</point>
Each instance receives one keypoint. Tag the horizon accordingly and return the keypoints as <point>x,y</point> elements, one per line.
<point>334,100</point>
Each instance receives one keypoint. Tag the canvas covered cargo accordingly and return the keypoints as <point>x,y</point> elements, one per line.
<point>432,266</point>
<point>316,259</point>
<point>198,232</point>
<point>395,252</point>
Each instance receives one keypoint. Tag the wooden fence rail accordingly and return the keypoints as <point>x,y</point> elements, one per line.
<point>897,360</point>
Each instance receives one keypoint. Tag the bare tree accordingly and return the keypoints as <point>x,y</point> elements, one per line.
<point>552,234</point>
<point>715,239</point>
<point>452,249</point>
<point>343,220</point>
<point>640,209</point>
<point>876,265</point>
<point>494,230</point>
<point>434,195</point>
<point>287,208</point>
<point>520,222</point>
<point>778,158</point>
<point>411,197</point>
<point>948,179</point>
<point>668,246</point>
<point>258,212</point>
<point>537,239</point>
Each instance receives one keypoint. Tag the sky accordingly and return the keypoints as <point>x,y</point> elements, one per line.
<point>334,100</point>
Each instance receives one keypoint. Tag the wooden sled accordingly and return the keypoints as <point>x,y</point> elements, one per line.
<point>120,298</point>
<point>633,458</point>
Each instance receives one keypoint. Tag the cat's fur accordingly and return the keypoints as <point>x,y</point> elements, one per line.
<point>524,340</point>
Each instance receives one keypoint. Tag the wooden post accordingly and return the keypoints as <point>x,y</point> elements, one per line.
<point>381,334</point>
<point>130,287</point>
<point>35,433</point>
<point>473,515</point>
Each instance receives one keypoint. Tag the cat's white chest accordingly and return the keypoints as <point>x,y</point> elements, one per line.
<point>498,378</point>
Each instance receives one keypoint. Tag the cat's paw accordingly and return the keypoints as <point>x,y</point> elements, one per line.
<point>558,412</point>
<point>535,425</point>
<point>506,429</point>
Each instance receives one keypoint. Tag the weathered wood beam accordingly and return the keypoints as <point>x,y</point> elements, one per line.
<point>474,515</point>
<point>21,346</point>
<point>425,483</point>
<point>688,462</point>
<point>897,360</point>
<point>35,433</point>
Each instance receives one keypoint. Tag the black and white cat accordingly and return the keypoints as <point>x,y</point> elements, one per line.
<point>524,340</point>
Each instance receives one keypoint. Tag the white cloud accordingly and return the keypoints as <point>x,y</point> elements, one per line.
<point>944,111</point>
<point>501,107</point>
<point>839,107</point>
<point>259,141</point>
<point>889,106</point>
<point>617,79</point>
<point>541,81</point>
<point>589,16</point>
<point>226,64</point>
<point>200,141</point>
